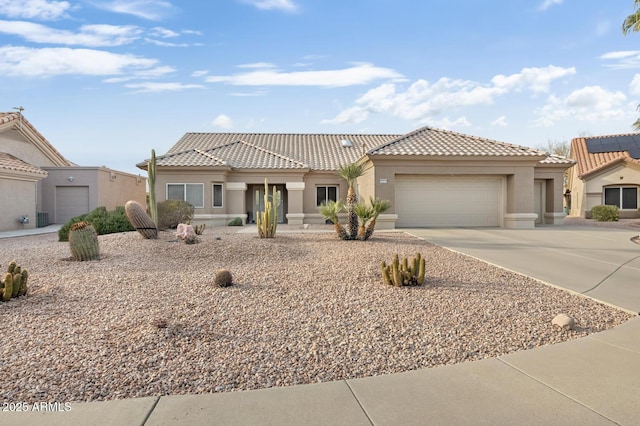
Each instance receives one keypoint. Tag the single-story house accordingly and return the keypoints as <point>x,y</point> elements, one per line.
<point>607,172</point>
<point>431,177</point>
<point>39,186</point>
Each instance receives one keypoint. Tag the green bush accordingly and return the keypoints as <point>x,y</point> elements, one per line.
<point>605,213</point>
<point>103,221</point>
<point>173,212</point>
<point>235,222</point>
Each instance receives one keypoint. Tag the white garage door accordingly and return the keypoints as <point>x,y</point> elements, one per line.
<point>440,201</point>
<point>71,201</point>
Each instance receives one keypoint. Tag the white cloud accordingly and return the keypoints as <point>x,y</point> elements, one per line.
<point>634,87</point>
<point>147,86</point>
<point>548,3</point>
<point>624,59</point>
<point>590,103</point>
<point>153,10</point>
<point>199,73</point>
<point>285,5</point>
<point>424,101</point>
<point>34,9</point>
<point>222,121</point>
<point>258,65</point>
<point>150,73</point>
<point>24,61</point>
<point>361,73</point>
<point>166,43</point>
<point>89,35</point>
<point>500,121</point>
<point>535,79</point>
<point>163,33</point>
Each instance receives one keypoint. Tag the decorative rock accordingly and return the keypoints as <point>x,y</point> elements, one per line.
<point>185,232</point>
<point>564,321</point>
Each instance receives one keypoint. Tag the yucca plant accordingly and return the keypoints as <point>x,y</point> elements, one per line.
<point>377,206</point>
<point>330,211</point>
<point>351,173</point>
<point>364,214</point>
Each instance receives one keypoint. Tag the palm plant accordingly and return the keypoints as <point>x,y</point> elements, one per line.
<point>330,211</point>
<point>351,173</point>
<point>364,214</point>
<point>632,22</point>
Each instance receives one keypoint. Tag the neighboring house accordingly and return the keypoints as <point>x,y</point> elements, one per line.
<point>607,172</point>
<point>432,177</point>
<point>38,186</point>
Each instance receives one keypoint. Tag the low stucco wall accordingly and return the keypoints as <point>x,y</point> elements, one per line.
<point>17,198</point>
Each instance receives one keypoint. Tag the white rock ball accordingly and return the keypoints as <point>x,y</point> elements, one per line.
<point>564,321</point>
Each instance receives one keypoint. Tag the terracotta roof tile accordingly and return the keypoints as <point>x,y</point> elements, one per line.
<point>436,142</point>
<point>9,162</point>
<point>592,162</point>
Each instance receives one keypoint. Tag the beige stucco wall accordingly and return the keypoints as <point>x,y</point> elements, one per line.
<point>108,188</point>
<point>17,198</point>
<point>15,144</point>
<point>617,176</point>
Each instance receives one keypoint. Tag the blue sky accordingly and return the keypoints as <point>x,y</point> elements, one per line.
<point>107,81</point>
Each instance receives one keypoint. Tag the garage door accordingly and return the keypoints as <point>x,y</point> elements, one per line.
<point>71,201</point>
<point>440,201</point>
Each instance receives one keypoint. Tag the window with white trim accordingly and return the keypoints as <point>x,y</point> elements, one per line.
<point>324,194</point>
<point>625,197</point>
<point>192,193</point>
<point>217,195</point>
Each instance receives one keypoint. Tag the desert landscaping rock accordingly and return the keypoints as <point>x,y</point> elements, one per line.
<point>147,320</point>
<point>564,321</point>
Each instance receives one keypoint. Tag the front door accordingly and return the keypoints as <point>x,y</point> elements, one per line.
<point>539,200</point>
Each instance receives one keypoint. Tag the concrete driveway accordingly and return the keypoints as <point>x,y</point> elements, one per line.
<point>602,263</point>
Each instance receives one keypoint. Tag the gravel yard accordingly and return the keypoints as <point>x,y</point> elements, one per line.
<point>304,308</point>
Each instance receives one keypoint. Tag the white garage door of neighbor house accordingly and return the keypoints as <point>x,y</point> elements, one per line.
<point>71,201</point>
<point>441,201</point>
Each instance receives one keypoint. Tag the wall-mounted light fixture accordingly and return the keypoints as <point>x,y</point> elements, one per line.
<point>70,178</point>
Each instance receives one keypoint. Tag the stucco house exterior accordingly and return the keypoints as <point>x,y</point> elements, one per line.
<point>432,177</point>
<point>607,172</point>
<point>39,186</point>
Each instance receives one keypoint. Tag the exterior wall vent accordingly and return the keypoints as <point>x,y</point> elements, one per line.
<point>346,143</point>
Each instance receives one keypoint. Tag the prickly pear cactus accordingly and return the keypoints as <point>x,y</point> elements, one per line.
<point>83,240</point>
<point>140,220</point>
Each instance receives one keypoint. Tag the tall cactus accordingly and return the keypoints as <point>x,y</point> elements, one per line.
<point>140,220</point>
<point>83,240</point>
<point>14,283</point>
<point>7,291</point>
<point>267,221</point>
<point>151,173</point>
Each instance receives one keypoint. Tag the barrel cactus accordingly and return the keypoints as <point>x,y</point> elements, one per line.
<point>141,220</point>
<point>223,278</point>
<point>83,240</point>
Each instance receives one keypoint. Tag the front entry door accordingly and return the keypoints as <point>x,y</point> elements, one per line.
<point>258,201</point>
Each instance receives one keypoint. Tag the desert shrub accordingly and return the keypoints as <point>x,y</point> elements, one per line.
<point>103,221</point>
<point>605,213</point>
<point>173,212</point>
<point>235,222</point>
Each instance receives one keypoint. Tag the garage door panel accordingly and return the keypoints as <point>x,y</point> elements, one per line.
<point>71,201</point>
<point>432,201</point>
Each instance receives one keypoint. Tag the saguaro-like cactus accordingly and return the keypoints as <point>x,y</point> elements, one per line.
<point>140,220</point>
<point>83,240</point>
<point>151,174</point>
<point>14,283</point>
<point>407,273</point>
<point>7,290</point>
<point>267,221</point>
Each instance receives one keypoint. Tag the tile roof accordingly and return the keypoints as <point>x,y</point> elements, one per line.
<point>326,151</point>
<point>9,162</point>
<point>271,150</point>
<point>436,142</point>
<point>591,162</point>
<point>16,120</point>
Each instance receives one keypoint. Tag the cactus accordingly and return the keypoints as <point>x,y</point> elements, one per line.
<point>83,240</point>
<point>199,229</point>
<point>7,292</point>
<point>151,174</point>
<point>14,283</point>
<point>223,278</point>
<point>267,221</point>
<point>140,220</point>
<point>405,273</point>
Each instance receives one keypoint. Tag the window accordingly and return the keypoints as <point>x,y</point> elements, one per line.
<point>623,197</point>
<point>192,193</point>
<point>324,194</point>
<point>217,195</point>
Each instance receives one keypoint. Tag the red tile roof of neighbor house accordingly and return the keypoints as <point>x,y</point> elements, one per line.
<point>593,162</point>
<point>9,162</point>
<point>328,151</point>
<point>16,121</point>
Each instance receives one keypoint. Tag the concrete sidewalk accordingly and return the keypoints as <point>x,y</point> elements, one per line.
<point>590,381</point>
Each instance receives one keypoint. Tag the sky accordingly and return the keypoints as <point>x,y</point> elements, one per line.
<point>107,81</point>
